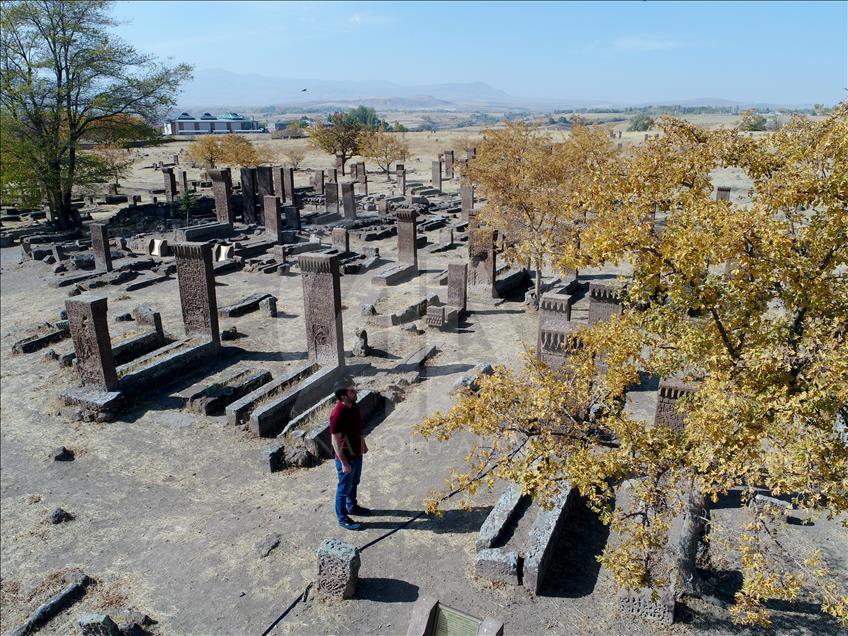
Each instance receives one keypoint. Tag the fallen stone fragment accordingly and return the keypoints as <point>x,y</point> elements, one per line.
<point>75,588</point>
<point>62,454</point>
<point>264,547</point>
<point>58,515</point>
<point>123,317</point>
<point>97,624</point>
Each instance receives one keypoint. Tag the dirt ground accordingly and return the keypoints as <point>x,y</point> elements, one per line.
<point>169,506</point>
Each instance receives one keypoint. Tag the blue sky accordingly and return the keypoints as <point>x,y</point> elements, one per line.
<point>779,52</point>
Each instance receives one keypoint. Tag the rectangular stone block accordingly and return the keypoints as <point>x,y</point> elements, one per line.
<point>331,198</point>
<point>288,184</point>
<point>448,164</point>
<point>248,196</point>
<point>100,247</point>
<point>457,285</point>
<point>348,201</point>
<point>222,190</point>
<point>170,184</point>
<point>292,216</point>
<point>197,289</point>
<point>604,302</point>
<point>437,175</point>
<point>401,180</point>
<point>318,181</point>
<point>646,604</point>
<point>338,568</point>
<point>481,255</point>
<point>322,308</point>
<point>666,413</point>
<point>407,237</point>
<point>273,228</point>
<point>497,565</point>
<point>264,182</point>
<point>341,239</point>
<point>92,345</point>
<point>466,200</point>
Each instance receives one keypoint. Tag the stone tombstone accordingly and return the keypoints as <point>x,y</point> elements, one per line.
<point>603,302</point>
<point>318,181</point>
<point>666,413</point>
<point>470,153</point>
<point>331,198</point>
<point>723,194</point>
<point>481,257</point>
<point>197,289</point>
<point>248,196</point>
<point>222,189</point>
<point>399,168</point>
<point>322,308</point>
<point>338,569</point>
<point>183,182</point>
<point>271,205</point>
<point>333,174</point>
<point>341,239</point>
<point>288,185</point>
<point>348,201</point>
<point>340,162</point>
<point>292,216</point>
<point>170,184</point>
<point>382,206</point>
<point>466,200</point>
<point>553,341</point>
<point>401,179</point>
<point>457,285</point>
<point>448,164</point>
<point>264,181</point>
<point>407,236</point>
<point>92,344</point>
<point>437,175</point>
<point>176,160</point>
<point>277,180</point>
<point>100,247</point>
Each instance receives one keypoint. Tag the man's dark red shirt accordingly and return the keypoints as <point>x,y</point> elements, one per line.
<point>346,421</point>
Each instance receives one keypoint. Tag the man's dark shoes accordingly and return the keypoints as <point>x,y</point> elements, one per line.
<point>359,511</point>
<point>349,524</point>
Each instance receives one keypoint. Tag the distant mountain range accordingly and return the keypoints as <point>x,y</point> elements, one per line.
<point>218,90</point>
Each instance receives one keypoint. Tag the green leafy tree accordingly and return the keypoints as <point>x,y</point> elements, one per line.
<point>62,73</point>
<point>367,117</point>
<point>641,123</point>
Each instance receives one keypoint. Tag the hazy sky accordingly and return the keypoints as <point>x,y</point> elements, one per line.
<point>779,52</point>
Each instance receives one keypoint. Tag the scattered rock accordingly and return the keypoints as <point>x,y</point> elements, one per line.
<point>368,310</point>
<point>49,259</point>
<point>58,268</point>
<point>360,347</point>
<point>299,457</point>
<point>63,314</point>
<point>264,547</point>
<point>62,454</point>
<point>277,459</point>
<point>97,624</point>
<point>58,515</point>
<point>411,328</point>
<point>76,290</point>
<point>269,306</point>
<point>483,368</point>
<point>50,354</point>
<point>126,615</point>
<point>466,381</point>
<point>230,334</point>
<point>123,317</point>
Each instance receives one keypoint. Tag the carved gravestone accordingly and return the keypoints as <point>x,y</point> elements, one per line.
<point>448,164</point>
<point>182,182</point>
<point>466,200</point>
<point>437,175</point>
<point>340,162</point>
<point>401,179</point>
<point>407,237</point>
<point>92,345</point>
<point>176,160</point>
<point>222,189</point>
<point>277,180</point>
<point>382,207</point>
<point>197,289</point>
<point>399,167</point>
<point>318,181</point>
<point>288,185</point>
<point>470,153</point>
<point>322,308</point>
<point>604,302</point>
<point>264,182</point>
<point>170,184</point>
<point>338,569</point>
<point>481,256</point>
<point>333,174</point>
<point>669,392</point>
<point>331,198</point>
<point>100,247</point>
<point>457,285</point>
<point>248,196</point>
<point>341,239</point>
<point>348,201</point>
<point>292,215</point>
<point>552,342</point>
<point>723,194</point>
<point>273,229</point>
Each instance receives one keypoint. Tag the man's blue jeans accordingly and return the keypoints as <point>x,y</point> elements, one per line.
<point>346,490</point>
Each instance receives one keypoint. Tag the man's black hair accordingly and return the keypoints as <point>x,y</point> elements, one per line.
<point>340,392</point>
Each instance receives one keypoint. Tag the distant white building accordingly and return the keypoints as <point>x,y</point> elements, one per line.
<point>187,124</point>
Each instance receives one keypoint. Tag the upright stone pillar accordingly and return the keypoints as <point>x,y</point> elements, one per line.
<point>457,285</point>
<point>348,201</point>
<point>470,153</point>
<point>292,215</point>
<point>277,180</point>
<point>100,247</point>
<point>407,237</point>
<point>723,194</point>
<point>466,199</point>
<point>92,345</point>
<point>331,198</point>
<point>264,181</point>
<point>288,185</point>
<point>333,175</point>
<point>448,164</point>
<point>170,184</point>
<point>341,239</point>
<point>322,308</point>
<point>273,230</point>
<point>401,179</point>
<point>182,183</point>
<point>318,181</point>
<point>248,196</point>
<point>481,254</point>
<point>437,175</point>
<point>340,164</point>
<point>197,290</point>
<point>222,189</point>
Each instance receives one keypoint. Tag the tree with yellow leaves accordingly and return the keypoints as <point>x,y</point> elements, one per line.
<point>206,150</point>
<point>749,304</point>
<point>383,148</point>
<point>539,192</point>
<point>341,137</point>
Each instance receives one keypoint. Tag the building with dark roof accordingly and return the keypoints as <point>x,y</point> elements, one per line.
<point>187,124</point>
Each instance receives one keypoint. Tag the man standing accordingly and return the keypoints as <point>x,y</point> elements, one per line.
<point>349,446</point>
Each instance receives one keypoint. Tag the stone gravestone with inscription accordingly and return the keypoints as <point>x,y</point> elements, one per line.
<point>448,164</point>
<point>92,344</point>
<point>322,308</point>
<point>481,257</point>
<point>401,180</point>
<point>273,230</point>
<point>100,247</point>
<point>407,237</point>
<point>667,414</point>
<point>457,285</point>
<point>331,198</point>
<point>197,290</point>
<point>341,239</point>
<point>437,175</point>
<point>318,181</point>
<point>348,201</point>
<point>723,194</point>
<point>264,181</point>
<point>466,200</point>
<point>604,302</point>
<point>170,184</point>
<point>248,196</point>
<point>288,185</point>
<point>222,189</point>
<point>292,216</point>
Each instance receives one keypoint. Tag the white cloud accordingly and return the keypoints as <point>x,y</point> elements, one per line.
<point>644,43</point>
<point>362,19</point>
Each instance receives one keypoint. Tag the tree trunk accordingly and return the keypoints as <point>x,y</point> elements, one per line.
<point>691,533</point>
<point>538,281</point>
